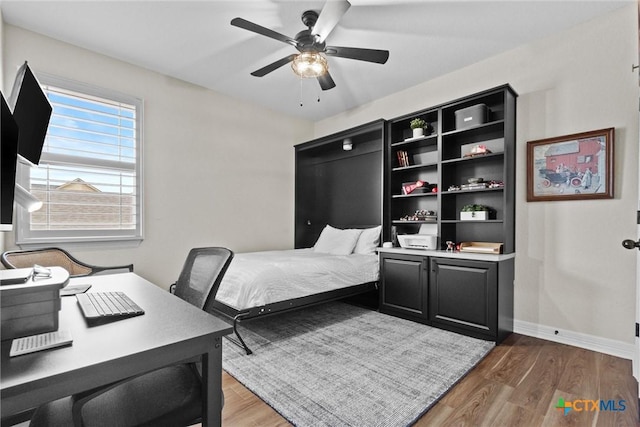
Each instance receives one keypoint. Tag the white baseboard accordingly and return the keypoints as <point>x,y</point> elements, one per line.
<point>589,342</point>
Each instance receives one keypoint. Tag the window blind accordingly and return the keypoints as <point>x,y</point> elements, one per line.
<point>88,176</point>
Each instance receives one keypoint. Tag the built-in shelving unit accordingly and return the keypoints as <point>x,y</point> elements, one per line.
<point>469,293</point>
<point>443,159</point>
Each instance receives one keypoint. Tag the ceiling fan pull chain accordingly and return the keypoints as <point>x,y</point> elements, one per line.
<point>300,79</point>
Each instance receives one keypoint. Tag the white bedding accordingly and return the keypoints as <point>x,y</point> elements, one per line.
<point>258,278</point>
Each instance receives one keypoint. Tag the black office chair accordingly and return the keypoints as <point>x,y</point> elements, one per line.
<point>169,396</point>
<point>52,257</point>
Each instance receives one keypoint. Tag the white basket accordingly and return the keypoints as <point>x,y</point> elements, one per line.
<point>474,216</point>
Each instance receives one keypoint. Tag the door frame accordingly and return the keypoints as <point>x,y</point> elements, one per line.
<point>636,352</point>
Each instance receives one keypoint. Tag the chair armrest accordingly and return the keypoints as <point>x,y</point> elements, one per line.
<point>98,270</point>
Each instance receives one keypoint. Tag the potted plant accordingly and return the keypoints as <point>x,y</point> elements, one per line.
<point>474,213</point>
<point>418,126</point>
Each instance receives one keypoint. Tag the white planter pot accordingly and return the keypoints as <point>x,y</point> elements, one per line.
<point>474,216</point>
<point>418,132</point>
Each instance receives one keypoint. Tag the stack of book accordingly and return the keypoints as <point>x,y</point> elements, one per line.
<point>421,215</point>
<point>403,158</point>
<point>474,186</point>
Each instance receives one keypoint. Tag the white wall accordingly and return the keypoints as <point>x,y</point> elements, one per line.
<point>572,273</point>
<point>209,179</point>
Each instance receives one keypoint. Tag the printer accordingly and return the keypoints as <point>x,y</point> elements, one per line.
<point>426,238</point>
<point>418,241</point>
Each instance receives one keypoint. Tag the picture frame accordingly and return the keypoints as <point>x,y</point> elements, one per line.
<point>571,167</point>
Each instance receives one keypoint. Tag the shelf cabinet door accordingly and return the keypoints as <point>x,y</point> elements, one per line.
<point>404,286</point>
<point>463,296</point>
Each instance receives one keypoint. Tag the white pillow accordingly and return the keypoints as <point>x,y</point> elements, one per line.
<point>337,242</point>
<point>368,241</point>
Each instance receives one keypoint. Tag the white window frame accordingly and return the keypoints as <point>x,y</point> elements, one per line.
<point>25,237</point>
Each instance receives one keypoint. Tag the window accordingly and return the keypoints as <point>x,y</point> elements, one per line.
<point>89,177</point>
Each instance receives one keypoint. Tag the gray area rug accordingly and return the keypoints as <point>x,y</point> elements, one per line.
<point>342,365</point>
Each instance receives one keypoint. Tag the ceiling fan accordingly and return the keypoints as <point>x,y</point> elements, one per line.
<point>311,61</point>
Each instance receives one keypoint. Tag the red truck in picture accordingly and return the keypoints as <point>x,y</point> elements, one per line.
<point>572,163</point>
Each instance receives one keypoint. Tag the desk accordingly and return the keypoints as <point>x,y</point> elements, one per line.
<point>170,331</point>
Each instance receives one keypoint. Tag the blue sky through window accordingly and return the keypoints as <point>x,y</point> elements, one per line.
<point>91,128</point>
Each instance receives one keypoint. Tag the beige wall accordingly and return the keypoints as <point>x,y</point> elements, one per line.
<point>209,178</point>
<point>571,270</point>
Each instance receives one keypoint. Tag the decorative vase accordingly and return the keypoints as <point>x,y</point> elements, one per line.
<point>418,132</point>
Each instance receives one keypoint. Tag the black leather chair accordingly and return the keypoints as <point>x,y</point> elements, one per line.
<point>170,396</point>
<point>52,257</point>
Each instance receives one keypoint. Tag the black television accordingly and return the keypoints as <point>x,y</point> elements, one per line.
<point>8,162</point>
<point>31,111</point>
<point>25,119</point>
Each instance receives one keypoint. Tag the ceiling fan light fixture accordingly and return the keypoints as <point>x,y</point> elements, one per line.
<point>310,65</point>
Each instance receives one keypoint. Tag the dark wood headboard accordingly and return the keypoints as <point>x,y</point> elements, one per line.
<point>337,187</point>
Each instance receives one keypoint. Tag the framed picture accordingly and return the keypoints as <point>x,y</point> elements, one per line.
<point>571,167</point>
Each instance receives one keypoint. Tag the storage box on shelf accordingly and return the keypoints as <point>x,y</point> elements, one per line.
<point>474,216</point>
<point>471,116</point>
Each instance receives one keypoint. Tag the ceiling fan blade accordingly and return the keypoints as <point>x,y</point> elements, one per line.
<point>329,17</point>
<point>370,55</point>
<point>247,25</point>
<point>326,82</point>
<point>273,66</point>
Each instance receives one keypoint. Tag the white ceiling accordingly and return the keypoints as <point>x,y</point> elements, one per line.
<point>194,41</point>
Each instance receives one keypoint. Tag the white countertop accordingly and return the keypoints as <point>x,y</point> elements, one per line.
<point>444,254</point>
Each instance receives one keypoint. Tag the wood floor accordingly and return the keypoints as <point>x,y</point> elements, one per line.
<point>518,384</point>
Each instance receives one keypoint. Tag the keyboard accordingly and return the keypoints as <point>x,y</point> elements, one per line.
<point>39,342</point>
<point>101,305</point>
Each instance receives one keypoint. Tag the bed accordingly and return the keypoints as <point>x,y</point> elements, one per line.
<point>341,264</point>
